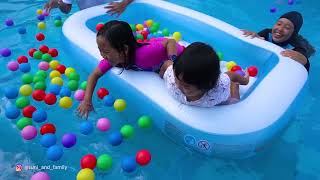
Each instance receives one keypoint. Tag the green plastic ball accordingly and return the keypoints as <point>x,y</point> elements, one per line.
<point>22,102</point>
<point>156,25</point>
<point>23,122</point>
<point>74,76</point>
<point>40,85</point>
<point>133,28</point>
<point>73,85</point>
<point>145,122</point>
<point>165,32</point>
<point>139,36</point>
<point>38,79</point>
<point>27,78</point>
<point>127,131</point>
<point>37,55</point>
<point>42,73</point>
<point>220,55</point>
<point>58,23</point>
<point>83,85</point>
<point>46,57</point>
<point>104,162</point>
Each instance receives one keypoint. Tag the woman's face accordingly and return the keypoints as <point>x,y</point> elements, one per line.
<point>109,53</point>
<point>188,90</point>
<point>282,30</point>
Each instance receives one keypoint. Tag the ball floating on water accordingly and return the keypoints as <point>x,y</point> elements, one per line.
<point>220,55</point>
<point>48,140</point>
<point>139,27</point>
<point>40,85</point>
<point>139,36</point>
<point>43,65</point>
<point>39,116</point>
<point>273,9</point>
<point>149,22</point>
<point>104,162</point>
<point>88,161</point>
<point>57,80</point>
<point>39,11</point>
<point>50,99</point>
<point>38,95</point>
<point>46,57</point>
<point>61,68</point>
<point>79,94</point>
<point>85,174</point>
<point>127,131</point>
<point>54,74</point>
<point>37,55</point>
<point>165,32</point>
<point>115,138</point>
<point>47,128</point>
<point>9,22</point>
<point>40,37</point>
<point>86,128</point>
<point>5,52</point>
<point>23,122</point>
<point>119,105</point>
<point>38,78</point>
<point>143,157</point>
<point>41,17</point>
<point>54,89</point>
<point>22,102</point>
<point>53,52</point>
<point>177,36</point>
<point>29,132</point>
<point>73,85</point>
<point>13,65</point>
<point>144,34</point>
<point>83,85</point>
<point>11,92</point>
<point>28,111</point>
<point>69,70</point>
<point>27,78</point>
<point>40,176</point>
<point>12,112</point>
<point>230,64</point>
<point>41,25</point>
<point>44,49</point>
<point>99,26</point>
<point>65,102</point>
<point>69,140</point>
<point>102,92</point>
<point>54,153</point>
<point>74,76</point>
<point>108,100</point>
<point>235,68</point>
<point>58,23</point>
<point>25,67</point>
<point>45,13</point>
<point>53,64</point>
<point>31,51</point>
<point>128,164</point>
<point>253,71</point>
<point>65,92</point>
<point>144,122</point>
<point>22,59</point>
<point>103,124</point>
<point>25,90</point>
<point>22,30</point>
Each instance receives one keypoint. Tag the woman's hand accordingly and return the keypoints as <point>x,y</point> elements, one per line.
<point>84,109</point>
<point>117,7</point>
<point>295,55</point>
<point>251,34</point>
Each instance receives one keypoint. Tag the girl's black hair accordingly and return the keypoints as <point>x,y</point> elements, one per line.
<point>119,34</point>
<point>198,65</point>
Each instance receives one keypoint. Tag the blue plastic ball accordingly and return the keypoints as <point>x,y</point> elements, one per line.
<point>11,92</point>
<point>57,18</point>
<point>54,89</point>
<point>128,164</point>
<point>9,22</point>
<point>25,67</point>
<point>22,30</point>
<point>115,138</point>
<point>39,116</point>
<point>5,52</point>
<point>48,140</point>
<point>41,17</point>
<point>86,128</point>
<point>12,112</point>
<point>108,100</point>
<point>65,92</point>
<point>68,140</point>
<point>54,153</point>
<point>241,73</point>
<point>150,36</point>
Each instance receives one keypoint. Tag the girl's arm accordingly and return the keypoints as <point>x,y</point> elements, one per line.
<point>237,78</point>
<point>164,67</point>
<point>64,7</point>
<point>170,45</point>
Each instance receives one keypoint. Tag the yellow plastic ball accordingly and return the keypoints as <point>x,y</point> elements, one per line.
<point>119,105</point>
<point>25,90</point>
<point>85,174</point>
<point>57,81</point>
<point>230,64</point>
<point>39,11</point>
<point>65,102</point>
<point>54,74</point>
<point>149,22</point>
<point>139,27</point>
<point>41,25</point>
<point>53,64</point>
<point>177,36</point>
<point>69,70</point>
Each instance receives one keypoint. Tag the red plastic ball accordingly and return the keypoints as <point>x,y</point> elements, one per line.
<point>102,92</point>
<point>99,26</point>
<point>28,111</point>
<point>253,71</point>
<point>61,68</point>
<point>38,94</point>
<point>88,161</point>
<point>40,37</point>
<point>22,59</point>
<point>235,68</point>
<point>144,34</point>
<point>140,41</point>
<point>50,99</point>
<point>44,49</point>
<point>53,52</point>
<point>47,128</point>
<point>31,51</point>
<point>143,157</point>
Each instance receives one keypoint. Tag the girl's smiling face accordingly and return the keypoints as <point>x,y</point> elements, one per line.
<point>109,53</point>
<point>282,30</point>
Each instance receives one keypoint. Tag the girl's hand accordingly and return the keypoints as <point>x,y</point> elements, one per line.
<point>84,108</point>
<point>247,33</point>
<point>51,4</point>
<point>116,8</point>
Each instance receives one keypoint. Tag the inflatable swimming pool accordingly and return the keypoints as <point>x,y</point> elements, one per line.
<point>233,131</point>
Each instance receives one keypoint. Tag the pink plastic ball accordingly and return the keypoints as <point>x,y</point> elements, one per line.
<point>43,65</point>
<point>103,124</point>
<point>29,132</point>
<point>40,176</point>
<point>79,94</point>
<point>45,13</point>
<point>13,65</point>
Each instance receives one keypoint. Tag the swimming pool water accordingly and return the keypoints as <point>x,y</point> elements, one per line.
<point>294,155</point>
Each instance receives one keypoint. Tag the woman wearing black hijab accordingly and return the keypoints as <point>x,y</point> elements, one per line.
<point>285,33</point>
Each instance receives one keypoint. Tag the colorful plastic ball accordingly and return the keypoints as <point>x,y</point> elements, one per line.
<point>69,140</point>
<point>103,124</point>
<point>253,71</point>
<point>85,174</point>
<point>119,105</point>
<point>235,68</point>
<point>44,49</point>
<point>102,92</point>
<point>115,138</point>
<point>64,91</point>
<point>57,80</point>
<point>290,2</point>
<point>54,73</point>
<point>23,122</point>
<point>46,57</point>
<point>149,22</point>
<point>11,92</point>
<point>139,36</point>
<point>83,85</point>
<point>108,100</point>
<point>28,111</point>
<point>104,162</point>
<point>143,157</point>
<point>139,27</point>
<point>27,78</point>
<point>133,27</point>
<point>41,17</point>
<point>220,55</point>
<point>165,32</point>
<point>31,51</point>
<point>65,102</point>
<point>22,30</point>
<point>127,131</point>
<point>58,23</point>
<point>144,122</point>
<point>73,85</point>
<point>43,65</point>
<point>50,99</point>
<point>41,73</point>
<point>99,26</point>
<point>22,59</point>
<point>86,128</point>
<point>25,67</point>
<point>230,64</point>
<point>144,34</point>
<point>79,94</point>
<point>39,11</point>
<point>38,79</point>
<point>39,116</point>
<point>177,36</point>
<point>25,90</point>
<point>240,72</point>
<point>5,52</point>
<point>53,64</point>
<point>22,102</point>
<point>88,161</point>
<point>57,18</point>
<point>74,76</point>
<point>53,52</point>
<point>47,128</point>
<point>37,55</point>
<point>54,153</point>
<point>273,9</point>
<point>13,65</point>
<point>9,22</point>
<point>12,112</point>
<point>128,164</point>
<point>68,71</point>
<point>48,140</point>
<point>54,89</point>
<point>153,29</point>
<point>29,132</point>
<point>61,68</point>
<point>40,37</point>
<point>41,25</point>
<point>38,95</point>
<point>45,13</point>
<point>40,85</point>
<point>40,176</point>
